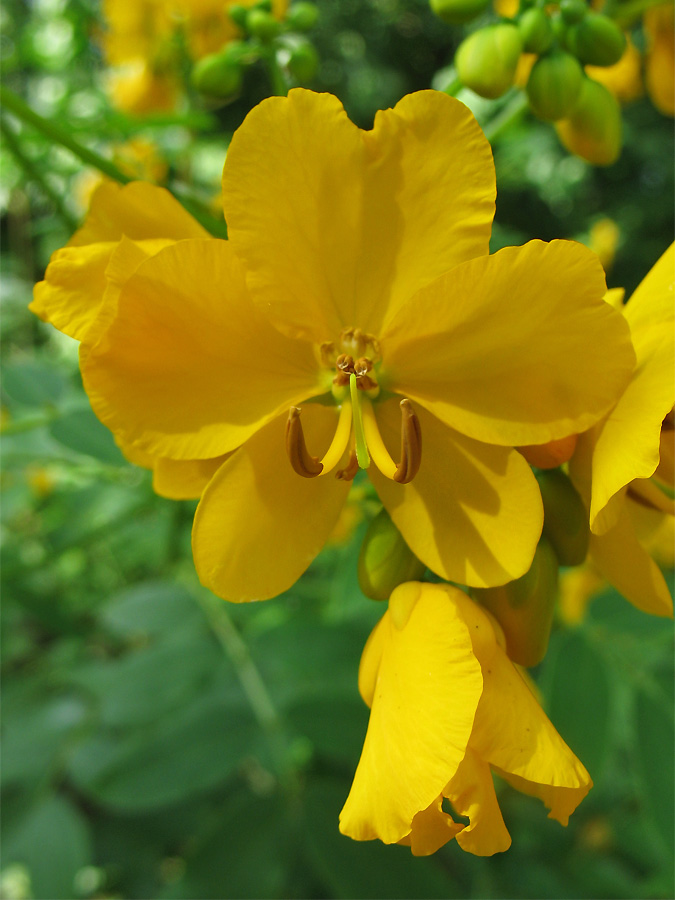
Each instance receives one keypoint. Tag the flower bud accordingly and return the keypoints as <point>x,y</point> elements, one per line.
<point>573,11</point>
<point>303,61</point>
<point>385,560</point>
<point>486,60</point>
<point>302,16</point>
<point>262,24</point>
<point>554,85</point>
<point>536,31</point>
<point>565,517</point>
<point>238,13</point>
<point>217,75</point>
<point>593,128</point>
<point>456,12</point>
<point>597,40</point>
<point>524,607</point>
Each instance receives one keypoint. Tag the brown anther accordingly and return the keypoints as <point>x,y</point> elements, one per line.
<point>350,470</point>
<point>327,351</point>
<point>345,363</point>
<point>411,444</point>
<point>365,383</point>
<point>303,463</point>
<point>363,365</point>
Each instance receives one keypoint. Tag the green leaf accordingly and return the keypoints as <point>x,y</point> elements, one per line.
<point>80,430</point>
<point>52,840</point>
<point>655,752</point>
<point>246,856</point>
<point>32,383</point>
<point>577,690</point>
<point>150,608</point>
<point>184,754</point>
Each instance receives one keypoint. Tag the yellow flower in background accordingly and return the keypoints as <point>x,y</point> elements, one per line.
<point>361,281</point>
<point>146,41</point>
<point>659,26</point>
<point>624,465</point>
<point>448,708</point>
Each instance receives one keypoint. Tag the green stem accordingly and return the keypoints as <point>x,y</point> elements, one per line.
<point>511,113</point>
<point>33,173</point>
<point>274,73</point>
<point>625,14</point>
<point>251,681</point>
<point>454,87</point>
<point>14,104</point>
<point>19,426</point>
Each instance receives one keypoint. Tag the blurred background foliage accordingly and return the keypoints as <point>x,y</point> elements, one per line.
<point>159,743</point>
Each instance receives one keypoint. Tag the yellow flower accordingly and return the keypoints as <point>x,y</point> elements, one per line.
<point>356,282</point>
<point>447,707</point>
<point>659,25</point>
<point>624,465</point>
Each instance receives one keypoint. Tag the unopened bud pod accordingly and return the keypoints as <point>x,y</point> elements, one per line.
<point>456,12</point>
<point>597,40</point>
<point>302,16</point>
<point>573,11</point>
<point>303,62</point>
<point>385,560</point>
<point>238,13</point>
<point>486,61</point>
<point>524,607</point>
<point>262,24</point>
<point>593,128</point>
<point>536,31</point>
<point>554,85</point>
<point>217,75</point>
<point>565,517</point>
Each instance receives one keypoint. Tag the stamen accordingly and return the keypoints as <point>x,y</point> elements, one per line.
<point>359,437</point>
<point>350,470</point>
<point>303,463</point>
<point>411,443</point>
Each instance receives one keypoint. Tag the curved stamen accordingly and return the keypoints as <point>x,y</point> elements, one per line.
<point>350,470</point>
<point>411,443</point>
<point>303,462</point>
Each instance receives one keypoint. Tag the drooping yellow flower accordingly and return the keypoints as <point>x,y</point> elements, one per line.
<point>447,709</point>
<point>624,465</point>
<point>356,286</point>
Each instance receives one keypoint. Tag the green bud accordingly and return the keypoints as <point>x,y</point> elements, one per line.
<point>265,5</point>
<point>565,517</point>
<point>262,24</point>
<point>597,41</point>
<point>456,12</point>
<point>302,16</point>
<point>303,62</point>
<point>573,11</point>
<point>385,560</point>
<point>536,31</point>
<point>593,128</point>
<point>524,607</point>
<point>238,14</point>
<point>236,52</point>
<point>217,76</point>
<point>554,85</point>
<point>486,60</point>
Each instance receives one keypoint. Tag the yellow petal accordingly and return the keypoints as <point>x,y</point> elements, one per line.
<point>184,479</point>
<point>658,25</point>
<point>370,663</point>
<point>472,794</point>
<point>70,295</point>
<point>513,734</point>
<point>517,348</point>
<point>626,564</point>
<point>259,524</point>
<point>188,368</point>
<point>472,514</point>
<point>428,686</point>
<point>139,210</point>
<point>359,220</point>
<point>431,830</point>
<point>627,442</point>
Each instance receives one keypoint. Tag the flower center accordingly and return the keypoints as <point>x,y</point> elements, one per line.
<point>355,359</point>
